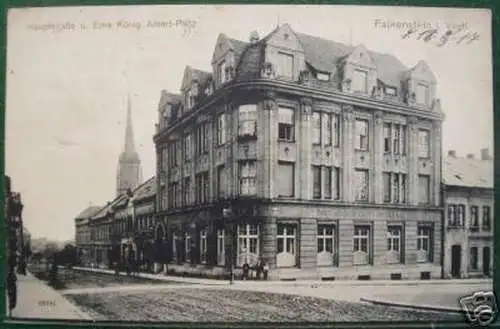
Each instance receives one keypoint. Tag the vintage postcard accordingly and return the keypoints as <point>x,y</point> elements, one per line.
<point>250,163</point>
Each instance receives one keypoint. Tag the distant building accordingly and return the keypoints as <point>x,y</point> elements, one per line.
<point>469,219</point>
<point>129,173</point>
<point>327,157</point>
<point>83,233</point>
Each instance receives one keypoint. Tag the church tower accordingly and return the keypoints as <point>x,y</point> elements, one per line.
<point>129,173</point>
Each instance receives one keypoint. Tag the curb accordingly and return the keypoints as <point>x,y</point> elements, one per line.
<point>412,306</point>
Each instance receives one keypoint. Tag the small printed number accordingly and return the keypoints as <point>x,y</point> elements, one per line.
<point>46,303</point>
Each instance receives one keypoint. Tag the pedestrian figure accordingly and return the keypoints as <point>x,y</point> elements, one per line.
<point>258,269</point>
<point>246,269</point>
<point>265,271</point>
<point>12,290</point>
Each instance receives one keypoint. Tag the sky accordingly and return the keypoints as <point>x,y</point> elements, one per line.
<point>69,71</point>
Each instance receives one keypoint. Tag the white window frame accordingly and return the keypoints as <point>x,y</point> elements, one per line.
<point>365,174</point>
<point>288,128</point>
<point>424,143</point>
<point>247,120</point>
<point>221,247</point>
<point>361,233</point>
<point>422,99</point>
<point>187,247</point>
<point>359,81</point>
<point>203,246</point>
<point>326,257</point>
<point>394,244</point>
<point>424,241</point>
<point>362,135</point>
<point>248,177</point>
<point>288,256</point>
<point>250,239</point>
<point>391,91</point>
<point>322,76</point>
<point>221,129</point>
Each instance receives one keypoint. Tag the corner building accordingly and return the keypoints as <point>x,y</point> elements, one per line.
<point>328,157</point>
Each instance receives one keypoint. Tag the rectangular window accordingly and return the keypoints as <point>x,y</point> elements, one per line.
<point>248,172</point>
<point>424,244</point>
<point>422,96</point>
<point>394,187</point>
<point>203,246</point>
<point>362,135</point>
<point>394,244</point>
<point>424,189</point>
<point>461,215</point>
<point>221,72</point>
<point>361,184</point>
<point>205,131</point>
<point>316,182</point>
<point>285,65</point>
<point>322,76</point>
<point>286,245</point>
<point>423,143</point>
<point>247,120</point>
<point>316,126</point>
<point>326,128</point>
<point>486,218</point>
<point>387,137</point>
<point>286,179</point>
<point>206,186</point>
<point>391,91</point>
<point>336,130</point>
<point>248,244</point>
<point>201,186</point>
<point>221,255</point>
<point>187,247</point>
<point>176,195</point>
<point>326,240</point>
<point>221,182</point>
<point>360,81</point>
<point>474,217</point>
<point>473,258</point>
<point>286,124</point>
<point>221,129</point>
<point>187,147</point>
<point>187,190</point>
<point>327,182</point>
<point>361,245</point>
<point>452,216</point>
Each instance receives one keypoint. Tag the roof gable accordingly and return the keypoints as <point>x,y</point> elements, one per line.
<point>422,71</point>
<point>360,57</point>
<point>222,45</point>
<point>187,78</point>
<point>284,37</point>
<point>146,190</point>
<point>88,212</point>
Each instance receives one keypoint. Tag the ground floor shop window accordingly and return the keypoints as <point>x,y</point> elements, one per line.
<point>203,246</point>
<point>286,245</point>
<point>221,247</point>
<point>424,244</point>
<point>248,244</point>
<point>362,245</point>
<point>394,244</point>
<point>326,238</point>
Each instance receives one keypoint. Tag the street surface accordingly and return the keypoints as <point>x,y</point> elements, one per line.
<point>156,297</point>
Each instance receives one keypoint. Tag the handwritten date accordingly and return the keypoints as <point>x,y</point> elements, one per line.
<point>442,38</point>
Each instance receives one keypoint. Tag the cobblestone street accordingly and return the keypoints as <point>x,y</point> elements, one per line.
<point>192,304</point>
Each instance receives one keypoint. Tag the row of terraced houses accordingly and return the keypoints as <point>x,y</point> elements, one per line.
<point>320,159</point>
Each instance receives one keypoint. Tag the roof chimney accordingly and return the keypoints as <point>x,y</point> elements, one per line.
<point>452,153</point>
<point>470,156</point>
<point>485,154</point>
<point>254,37</point>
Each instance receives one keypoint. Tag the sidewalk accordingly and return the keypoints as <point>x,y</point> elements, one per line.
<point>36,300</point>
<point>300,283</point>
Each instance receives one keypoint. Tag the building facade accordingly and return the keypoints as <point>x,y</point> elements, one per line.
<point>323,160</point>
<point>469,203</point>
<point>83,234</point>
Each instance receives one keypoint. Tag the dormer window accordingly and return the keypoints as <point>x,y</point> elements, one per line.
<point>189,100</point>
<point>422,94</point>
<point>322,76</point>
<point>284,66</point>
<point>360,81</point>
<point>221,72</point>
<point>391,91</point>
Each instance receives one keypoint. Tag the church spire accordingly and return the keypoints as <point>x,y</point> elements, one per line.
<point>129,148</point>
